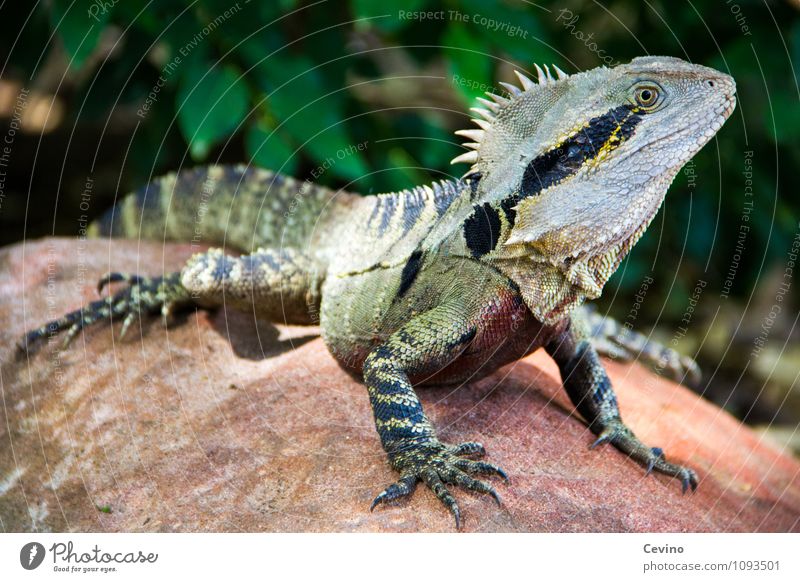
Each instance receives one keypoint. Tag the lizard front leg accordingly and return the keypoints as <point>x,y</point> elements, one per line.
<point>424,345</point>
<point>589,388</point>
<point>141,295</point>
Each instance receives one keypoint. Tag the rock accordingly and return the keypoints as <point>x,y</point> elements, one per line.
<point>221,424</point>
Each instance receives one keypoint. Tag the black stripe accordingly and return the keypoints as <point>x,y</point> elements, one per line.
<point>410,272</point>
<point>472,181</point>
<point>482,230</point>
<point>223,268</point>
<point>251,261</point>
<point>149,197</point>
<point>508,204</point>
<point>109,224</point>
<point>565,160</point>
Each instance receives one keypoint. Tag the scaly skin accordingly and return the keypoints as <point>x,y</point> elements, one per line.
<point>448,282</point>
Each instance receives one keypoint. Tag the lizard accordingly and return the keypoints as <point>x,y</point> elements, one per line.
<point>446,282</point>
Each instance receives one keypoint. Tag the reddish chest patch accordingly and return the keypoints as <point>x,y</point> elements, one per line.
<point>505,315</point>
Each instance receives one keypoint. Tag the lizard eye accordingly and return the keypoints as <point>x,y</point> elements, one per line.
<point>648,96</point>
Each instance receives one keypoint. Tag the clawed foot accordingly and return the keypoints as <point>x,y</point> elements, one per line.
<point>436,464</point>
<point>653,459</point>
<point>142,294</point>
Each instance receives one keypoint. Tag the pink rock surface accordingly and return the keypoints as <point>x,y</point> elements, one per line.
<point>222,424</point>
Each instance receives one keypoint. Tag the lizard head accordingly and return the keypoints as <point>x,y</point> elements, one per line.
<point>575,168</point>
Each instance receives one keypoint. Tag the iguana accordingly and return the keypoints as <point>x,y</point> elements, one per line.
<point>444,283</point>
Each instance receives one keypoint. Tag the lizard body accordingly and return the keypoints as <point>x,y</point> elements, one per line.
<point>445,283</point>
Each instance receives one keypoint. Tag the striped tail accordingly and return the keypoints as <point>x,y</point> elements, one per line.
<point>242,207</point>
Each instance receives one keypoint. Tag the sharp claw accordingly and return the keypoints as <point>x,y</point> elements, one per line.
<point>457,515</point>
<point>27,341</point>
<point>167,313</point>
<point>502,474</point>
<point>437,465</point>
<point>688,479</point>
<point>128,304</point>
<point>129,319</point>
<point>106,279</point>
<point>377,500</point>
<point>116,278</point>
<point>401,488</point>
<point>70,335</point>
<point>602,439</point>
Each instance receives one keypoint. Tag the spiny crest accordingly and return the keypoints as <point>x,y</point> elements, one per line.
<point>487,114</point>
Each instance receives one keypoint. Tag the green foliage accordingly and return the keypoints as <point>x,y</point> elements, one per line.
<point>292,85</point>
<point>469,60</point>
<point>211,105</point>
<point>384,14</point>
<point>310,111</point>
<point>269,150</point>
<point>79,24</point>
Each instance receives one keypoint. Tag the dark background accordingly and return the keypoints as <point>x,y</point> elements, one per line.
<point>287,85</point>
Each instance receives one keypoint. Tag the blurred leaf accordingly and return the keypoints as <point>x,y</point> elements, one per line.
<point>385,14</point>
<point>438,144</point>
<point>237,20</point>
<point>126,77</point>
<point>144,21</point>
<point>795,43</point>
<point>153,152</point>
<point>79,25</point>
<point>785,126</point>
<point>311,113</point>
<point>469,62</point>
<point>267,149</point>
<point>407,170</point>
<point>188,48</point>
<point>513,30</point>
<point>703,227</point>
<point>33,26</point>
<point>212,102</point>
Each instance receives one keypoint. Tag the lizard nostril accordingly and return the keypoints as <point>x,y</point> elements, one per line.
<point>711,83</point>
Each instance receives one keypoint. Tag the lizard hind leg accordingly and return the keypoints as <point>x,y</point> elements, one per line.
<point>142,294</point>
<point>278,285</point>
<point>282,286</point>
